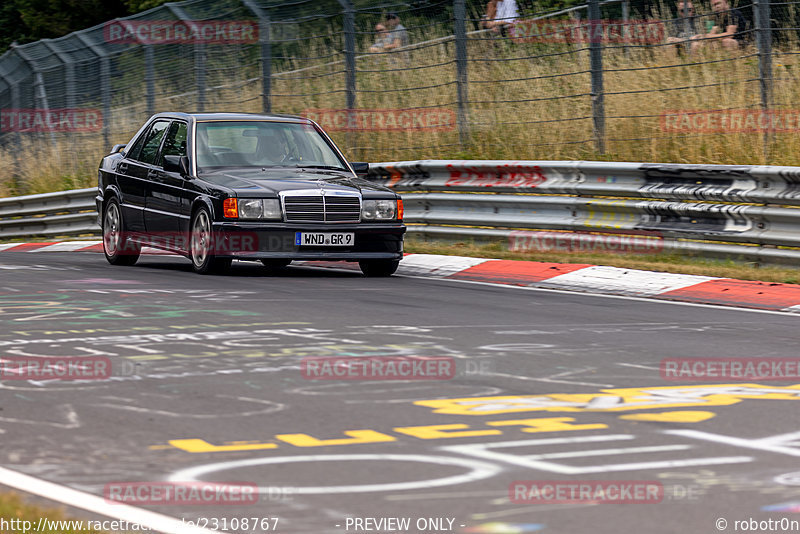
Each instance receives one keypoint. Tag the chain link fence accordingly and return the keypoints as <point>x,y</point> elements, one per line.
<point>612,79</point>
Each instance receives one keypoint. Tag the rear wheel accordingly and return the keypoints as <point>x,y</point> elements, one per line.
<point>116,246</point>
<point>374,268</point>
<point>275,264</point>
<point>202,246</point>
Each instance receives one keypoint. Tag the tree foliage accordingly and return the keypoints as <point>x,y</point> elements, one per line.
<point>24,21</point>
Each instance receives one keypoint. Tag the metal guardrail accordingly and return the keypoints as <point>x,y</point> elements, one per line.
<point>740,211</point>
<point>66,213</point>
<point>744,212</point>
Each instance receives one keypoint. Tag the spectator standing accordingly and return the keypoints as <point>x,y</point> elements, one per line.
<point>382,39</point>
<point>398,35</point>
<point>728,30</point>
<point>678,34</point>
<point>500,16</point>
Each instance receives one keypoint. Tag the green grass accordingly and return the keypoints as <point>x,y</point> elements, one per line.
<point>14,507</point>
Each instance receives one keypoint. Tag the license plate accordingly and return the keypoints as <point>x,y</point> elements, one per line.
<point>324,239</point>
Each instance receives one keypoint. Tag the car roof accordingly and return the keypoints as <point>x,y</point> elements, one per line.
<point>203,117</point>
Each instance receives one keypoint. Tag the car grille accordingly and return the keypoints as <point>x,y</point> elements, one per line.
<point>318,208</point>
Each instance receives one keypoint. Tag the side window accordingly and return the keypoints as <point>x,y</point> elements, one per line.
<point>152,140</point>
<point>175,142</point>
<point>133,152</point>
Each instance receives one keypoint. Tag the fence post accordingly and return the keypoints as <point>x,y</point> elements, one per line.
<point>350,52</point>
<point>761,18</point>
<point>39,89</point>
<point>460,31</point>
<point>15,104</point>
<point>687,29</point>
<point>626,9</point>
<point>200,74</point>
<point>149,77</point>
<point>266,53</point>
<point>264,37</point>
<point>349,62</point>
<point>69,72</point>
<point>596,67</point>
<point>199,50</point>
<point>105,84</point>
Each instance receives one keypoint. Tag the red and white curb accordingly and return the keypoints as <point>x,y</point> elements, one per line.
<point>565,276</point>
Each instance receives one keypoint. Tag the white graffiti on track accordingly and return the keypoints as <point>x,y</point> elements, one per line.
<point>64,309</point>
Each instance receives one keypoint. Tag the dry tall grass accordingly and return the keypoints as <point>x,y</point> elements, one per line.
<point>523,107</point>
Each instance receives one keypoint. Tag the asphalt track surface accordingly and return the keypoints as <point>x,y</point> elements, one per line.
<point>207,384</point>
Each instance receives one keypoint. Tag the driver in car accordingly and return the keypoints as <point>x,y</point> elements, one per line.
<point>273,151</point>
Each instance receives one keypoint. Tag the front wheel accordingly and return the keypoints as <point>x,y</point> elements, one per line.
<point>202,246</point>
<point>116,246</point>
<point>374,268</point>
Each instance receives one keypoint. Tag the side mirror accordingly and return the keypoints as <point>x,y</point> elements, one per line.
<point>116,148</point>
<point>177,164</point>
<point>360,168</point>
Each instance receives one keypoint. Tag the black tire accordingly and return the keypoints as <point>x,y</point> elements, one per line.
<point>201,239</point>
<point>119,250</point>
<point>375,268</point>
<point>275,264</point>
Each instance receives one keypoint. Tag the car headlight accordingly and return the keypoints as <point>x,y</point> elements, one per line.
<point>259,208</point>
<point>379,209</point>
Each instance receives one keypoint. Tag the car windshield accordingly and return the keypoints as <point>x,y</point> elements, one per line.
<point>263,144</point>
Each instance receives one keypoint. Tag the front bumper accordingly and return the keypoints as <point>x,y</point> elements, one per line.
<point>256,241</point>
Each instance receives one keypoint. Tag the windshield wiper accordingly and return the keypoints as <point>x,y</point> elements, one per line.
<point>324,167</point>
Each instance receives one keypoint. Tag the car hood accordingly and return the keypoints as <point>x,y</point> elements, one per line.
<point>247,182</point>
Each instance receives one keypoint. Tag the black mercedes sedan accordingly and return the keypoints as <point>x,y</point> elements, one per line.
<point>216,187</point>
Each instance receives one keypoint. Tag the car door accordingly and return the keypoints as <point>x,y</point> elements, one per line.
<point>140,165</point>
<point>132,180</point>
<point>165,203</point>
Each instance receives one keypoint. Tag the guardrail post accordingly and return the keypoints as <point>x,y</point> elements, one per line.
<point>761,18</point>
<point>149,78</point>
<point>596,66</point>
<point>460,30</point>
<point>264,36</point>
